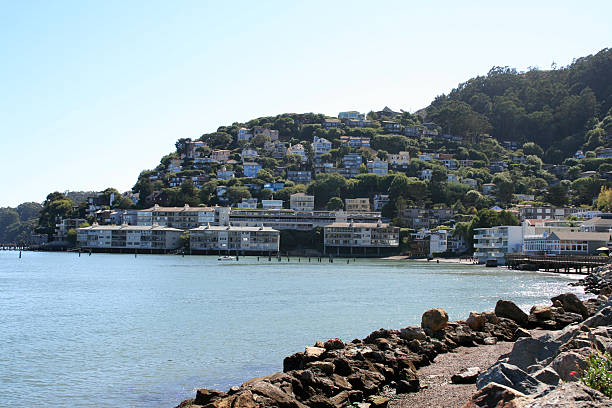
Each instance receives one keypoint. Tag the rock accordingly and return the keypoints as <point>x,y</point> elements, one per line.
<point>325,367</point>
<point>520,332</point>
<point>490,341</point>
<point>494,395</point>
<point>333,344</point>
<point>528,351</point>
<point>601,318</point>
<point>275,394</point>
<point>567,362</point>
<point>466,376</point>
<point>244,400</point>
<point>571,395</point>
<point>342,399</point>
<point>541,312</point>
<point>204,396</point>
<point>313,353</point>
<point>434,320</point>
<point>378,401</point>
<point>571,303</point>
<point>566,319</point>
<point>476,321</point>
<point>548,376</point>
<point>293,362</point>
<point>511,376</point>
<point>342,367</point>
<point>507,309</point>
<point>319,401</point>
<point>491,317</point>
<point>413,333</point>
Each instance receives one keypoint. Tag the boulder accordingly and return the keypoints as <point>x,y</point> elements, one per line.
<point>528,351</point>
<point>509,310</point>
<point>204,396</point>
<point>413,333</point>
<point>378,401</point>
<point>571,395</point>
<point>601,318</point>
<point>511,376</point>
<point>566,363</point>
<point>434,320</point>
<point>548,376</point>
<point>466,376</point>
<point>490,341</point>
<point>476,321</point>
<point>494,395</point>
<point>312,353</point>
<point>571,303</point>
<point>520,333</point>
<point>541,312</point>
<point>245,400</point>
<point>334,344</point>
<point>293,362</point>
<point>567,318</point>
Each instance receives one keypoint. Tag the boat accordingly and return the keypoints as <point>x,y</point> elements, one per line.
<point>491,263</point>
<point>226,258</point>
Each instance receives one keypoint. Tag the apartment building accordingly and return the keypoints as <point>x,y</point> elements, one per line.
<point>301,202</point>
<point>299,176</point>
<point>183,217</point>
<point>494,243</point>
<point>232,238</point>
<point>357,204</point>
<point>378,167</point>
<point>129,237</point>
<point>320,146</point>
<point>296,220</point>
<point>360,235</point>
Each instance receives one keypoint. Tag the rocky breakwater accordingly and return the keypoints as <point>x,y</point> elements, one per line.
<point>543,371</point>
<point>365,373</point>
<point>598,282</point>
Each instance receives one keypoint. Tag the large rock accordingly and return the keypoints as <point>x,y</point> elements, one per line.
<point>434,320</point>
<point>511,376</point>
<point>509,310</point>
<point>571,395</point>
<point>541,312</point>
<point>601,318</point>
<point>204,396</point>
<point>566,363</point>
<point>476,321</point>
<point>494,395</point>
<point>413,333</point>
<point>466,376</point>
<point>571,303</point>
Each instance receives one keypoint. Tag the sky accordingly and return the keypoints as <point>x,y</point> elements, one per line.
<point>92,93</point>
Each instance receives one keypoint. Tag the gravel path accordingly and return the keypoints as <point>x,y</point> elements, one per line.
<point>440,392</point>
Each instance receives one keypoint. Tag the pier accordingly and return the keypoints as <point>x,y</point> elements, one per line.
<point>556,263</point>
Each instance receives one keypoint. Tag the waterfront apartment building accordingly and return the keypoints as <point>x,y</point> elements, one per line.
<point>357,204</point>
<point>360,235</point>
<point>566,243</point>
<point>296,220</point>
<point>129,237</point>
<point>495,242</point>
<point>184,218</point>
<point>301,202</point>
<point>232,238</point>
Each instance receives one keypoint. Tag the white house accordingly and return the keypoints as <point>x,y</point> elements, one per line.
<point>494,243</point>
<point>297,149</point>
<point>272,204</point>
<point>377,166</point>
<point>244,134</point>
<point>301,202</point>
<point>321,146</point>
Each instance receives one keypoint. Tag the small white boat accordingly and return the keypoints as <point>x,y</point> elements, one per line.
<point>226,258</point>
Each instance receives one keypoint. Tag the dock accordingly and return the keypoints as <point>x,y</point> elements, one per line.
<point>557,263</point>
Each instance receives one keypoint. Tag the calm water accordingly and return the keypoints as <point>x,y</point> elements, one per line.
<point>114,330</point>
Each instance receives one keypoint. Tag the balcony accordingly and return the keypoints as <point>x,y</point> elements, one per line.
<point>488,245</point>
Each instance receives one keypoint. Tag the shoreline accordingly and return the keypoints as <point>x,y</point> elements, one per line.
<point>397,368</point>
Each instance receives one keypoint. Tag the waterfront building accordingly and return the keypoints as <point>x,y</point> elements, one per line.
<point>301,202</point>
<point>566,243</point>
<point>129,237</point>
<point>495,242</point>
<point>357,204</point>
<point>64,226</point>
<point>360,235</point>
<point>232,238</point>
<point>296,220</point>
<point>185,217</point>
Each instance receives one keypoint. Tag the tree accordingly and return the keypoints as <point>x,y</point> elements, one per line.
<point>557,195</point>
<point>55,207</point>
<point>235,194</point>
<point>604,199</point>
<point>532,148</point>
<point>218,140</point>
<point>123,203</point>
<point>335,204</point>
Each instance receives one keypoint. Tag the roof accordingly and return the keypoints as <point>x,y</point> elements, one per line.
<point>129,228</point>
<point>232,228</point>
<point>582,236</point>
<point>358,225</point>
<point>178,209</point>
<point>598,221</point>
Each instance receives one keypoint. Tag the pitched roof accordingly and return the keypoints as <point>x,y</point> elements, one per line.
<point>582,236</point>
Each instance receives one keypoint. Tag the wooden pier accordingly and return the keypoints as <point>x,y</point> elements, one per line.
<point>556,263</point>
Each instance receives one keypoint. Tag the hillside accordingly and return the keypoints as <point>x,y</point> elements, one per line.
<point>560,110</point>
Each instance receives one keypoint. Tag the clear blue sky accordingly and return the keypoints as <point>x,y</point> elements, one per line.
<point>91,93</point>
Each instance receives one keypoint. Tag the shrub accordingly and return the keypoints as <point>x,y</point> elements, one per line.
<point>598,374</point>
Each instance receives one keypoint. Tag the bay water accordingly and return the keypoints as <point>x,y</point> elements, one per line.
<point>111,330</point>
